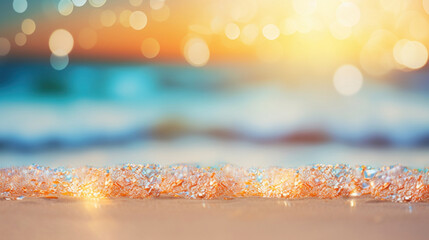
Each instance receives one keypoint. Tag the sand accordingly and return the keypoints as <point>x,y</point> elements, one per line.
<point>251,218</point>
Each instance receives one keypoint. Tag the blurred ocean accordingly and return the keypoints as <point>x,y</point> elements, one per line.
<point>107,114</point>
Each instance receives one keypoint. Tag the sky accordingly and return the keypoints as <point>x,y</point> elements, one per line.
<point>308,32</point>
<point>344,41</point>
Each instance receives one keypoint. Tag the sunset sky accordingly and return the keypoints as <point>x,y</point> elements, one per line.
<point>306,32</point>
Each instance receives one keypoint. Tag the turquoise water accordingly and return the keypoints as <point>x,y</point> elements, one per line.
<point>100,114</point>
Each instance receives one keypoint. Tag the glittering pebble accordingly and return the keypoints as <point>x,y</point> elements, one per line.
<point>395,183</point>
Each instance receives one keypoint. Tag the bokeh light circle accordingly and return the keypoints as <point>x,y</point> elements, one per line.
<point>156,4</point>
<point>61,42</point>
<point>397,50</point>
<point>150,48</point>
<point>124,18</point>
<point>271,31</point>
<point>411,54</point>
<point>79,3</point>
<point>107,18</point>
<point>136,3</point>
<point>59,62</point>
<point>4,46</point>
<point>65,7</point>
<point>138,20</point>
<point>20,5</point>
<point>348,80</point>
<point>20,39</point>
<point>348,14</point>
<point>232,31</point>
<point>28,26</point>
<point>97,3</point>
<point>196,52</point>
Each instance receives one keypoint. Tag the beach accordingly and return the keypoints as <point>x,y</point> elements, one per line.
<point>239,218</point>
<point>214,120</point>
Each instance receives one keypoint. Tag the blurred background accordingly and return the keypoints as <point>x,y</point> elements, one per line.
<point>255,83</point>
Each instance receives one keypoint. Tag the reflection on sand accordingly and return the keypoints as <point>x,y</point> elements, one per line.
<point>250,218</point>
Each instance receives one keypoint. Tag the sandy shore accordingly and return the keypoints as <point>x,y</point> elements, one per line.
<point>253,218</point>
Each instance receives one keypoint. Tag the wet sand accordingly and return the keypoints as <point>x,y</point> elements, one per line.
<point>251,218</point>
